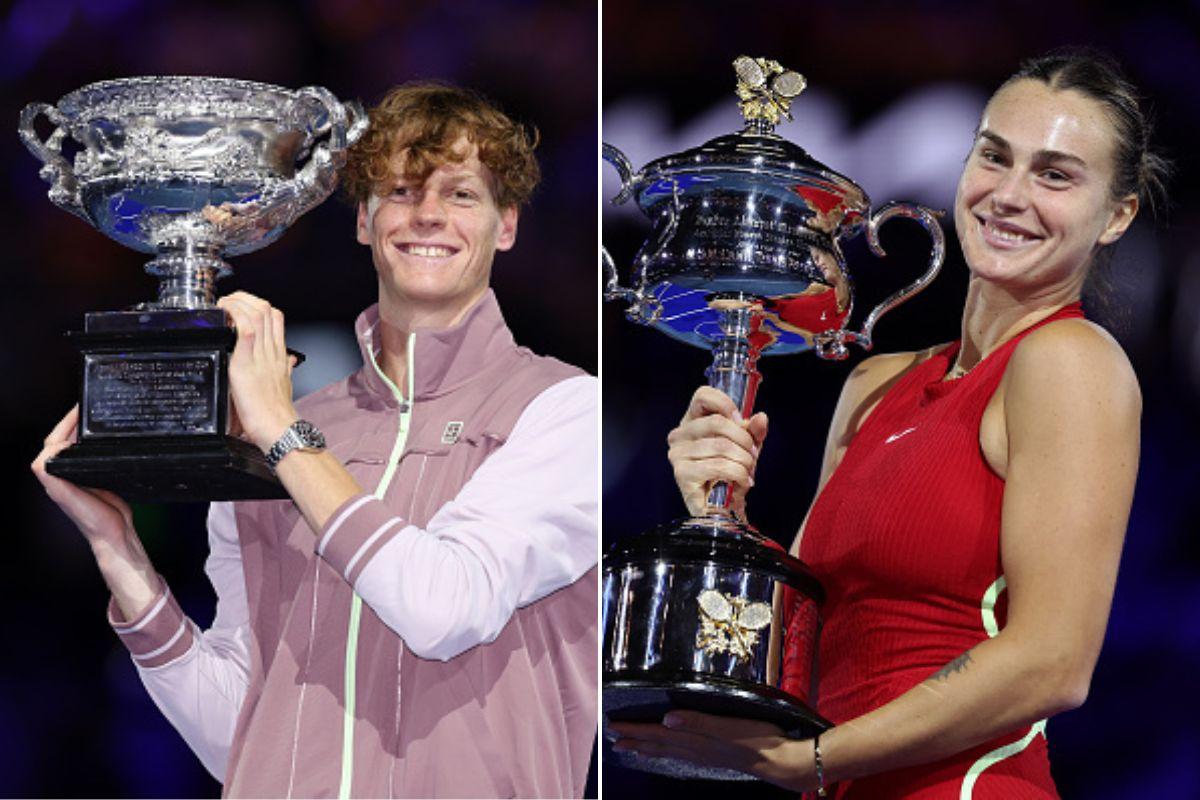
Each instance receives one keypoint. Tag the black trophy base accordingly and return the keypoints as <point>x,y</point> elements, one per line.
<point>155,411</point>
<point>646,700</point>
<point>170,469</point>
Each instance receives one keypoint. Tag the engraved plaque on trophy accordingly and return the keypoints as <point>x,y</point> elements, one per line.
<point>745,260</point>
<point>192,170</point>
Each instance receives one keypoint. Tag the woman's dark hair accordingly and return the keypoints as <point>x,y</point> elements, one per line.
<point>1139,170</point>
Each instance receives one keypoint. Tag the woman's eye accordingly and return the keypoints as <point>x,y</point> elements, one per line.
<point>401,192</point>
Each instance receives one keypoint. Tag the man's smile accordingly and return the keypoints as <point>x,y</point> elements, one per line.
<point>426,250</point>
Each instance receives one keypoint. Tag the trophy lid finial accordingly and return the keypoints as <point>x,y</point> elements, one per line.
<point>765,91</point>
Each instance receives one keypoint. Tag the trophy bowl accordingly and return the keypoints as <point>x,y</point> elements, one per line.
<point>745,260</point>
<point>191,169</point>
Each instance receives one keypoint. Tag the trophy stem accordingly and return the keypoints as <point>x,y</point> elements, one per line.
<point>735,366</point>
<point>188,277</point>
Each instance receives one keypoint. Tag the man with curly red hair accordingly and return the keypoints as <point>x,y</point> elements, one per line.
<point>420,618</point>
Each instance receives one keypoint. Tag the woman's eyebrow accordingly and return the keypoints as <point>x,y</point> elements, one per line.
<point>1043,155</point>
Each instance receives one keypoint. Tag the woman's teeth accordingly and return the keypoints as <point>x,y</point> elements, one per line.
<point>1006,235</point>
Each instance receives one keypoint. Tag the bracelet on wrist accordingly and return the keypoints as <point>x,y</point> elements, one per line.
<point>820,766</point>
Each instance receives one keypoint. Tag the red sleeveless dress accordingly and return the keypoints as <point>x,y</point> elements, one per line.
<point>905,537</point>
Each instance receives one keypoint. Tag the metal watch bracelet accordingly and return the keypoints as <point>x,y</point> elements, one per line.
<point>300,435</point>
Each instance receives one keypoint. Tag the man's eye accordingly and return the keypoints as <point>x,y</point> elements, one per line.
<point>401,192</point>
<point>465,195</point>
<point>991,156</point>
<point>1055,175</point>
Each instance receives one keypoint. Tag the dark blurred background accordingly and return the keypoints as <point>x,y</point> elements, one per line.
<point>74,719</point>
<point>895,91</point>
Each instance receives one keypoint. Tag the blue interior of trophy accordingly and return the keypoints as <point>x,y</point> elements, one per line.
<point>685,315</point>
<point>134,213</point>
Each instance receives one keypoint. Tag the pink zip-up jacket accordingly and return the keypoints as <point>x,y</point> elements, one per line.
<point>463,661</point>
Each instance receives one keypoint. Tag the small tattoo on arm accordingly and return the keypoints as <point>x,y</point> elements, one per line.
<point>957,665</point>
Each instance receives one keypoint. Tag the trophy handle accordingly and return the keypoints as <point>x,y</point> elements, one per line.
<point>643,309</point>
<point>56,171</point>
<point>318,178</point>
<point>624,168</point>
<point>613,290</point>
<point>928,219</point>
<point>832,344</point>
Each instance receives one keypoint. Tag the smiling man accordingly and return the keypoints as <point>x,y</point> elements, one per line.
<point>420,618</point>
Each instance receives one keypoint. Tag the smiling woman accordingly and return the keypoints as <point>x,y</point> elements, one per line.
<point>973,496</point>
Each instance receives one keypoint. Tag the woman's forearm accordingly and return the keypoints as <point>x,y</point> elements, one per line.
<point>996,687</point>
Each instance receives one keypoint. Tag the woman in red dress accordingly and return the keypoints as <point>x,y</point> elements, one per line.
<point>974,496</point>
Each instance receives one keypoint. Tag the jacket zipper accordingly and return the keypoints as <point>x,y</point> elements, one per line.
<point>351,668</point>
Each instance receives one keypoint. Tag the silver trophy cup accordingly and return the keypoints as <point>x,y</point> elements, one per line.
<point>745,259</point>
<point>192,170</point>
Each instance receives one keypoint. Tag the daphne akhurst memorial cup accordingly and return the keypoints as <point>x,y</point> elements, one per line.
<point>192,170</point>
<point>744,260</point>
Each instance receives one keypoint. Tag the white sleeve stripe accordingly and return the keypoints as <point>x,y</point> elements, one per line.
<point>157,607</point>
<point>374,537</point>
<point>160,650</point>
<point>337,523</point>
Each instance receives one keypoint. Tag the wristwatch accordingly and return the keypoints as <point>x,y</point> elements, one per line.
<point>300,435</point>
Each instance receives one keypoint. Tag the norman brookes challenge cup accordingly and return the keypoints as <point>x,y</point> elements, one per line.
<point>745,259</point>
<point>190,169</point>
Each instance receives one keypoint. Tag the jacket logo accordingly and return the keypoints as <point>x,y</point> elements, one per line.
<point>451,433</point>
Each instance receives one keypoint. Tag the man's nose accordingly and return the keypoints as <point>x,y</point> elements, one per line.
<point>429,210</point>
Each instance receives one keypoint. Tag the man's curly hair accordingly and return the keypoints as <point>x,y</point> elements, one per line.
<point>424,120</point>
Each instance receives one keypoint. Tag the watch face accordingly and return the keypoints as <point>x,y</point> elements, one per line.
<point>310,437</point>
<point>301,435</point>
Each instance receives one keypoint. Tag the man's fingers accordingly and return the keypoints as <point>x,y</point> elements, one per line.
<point>241,318</point>
<point>65,429</point>
<point>260,325</point>
<point>48,452</point>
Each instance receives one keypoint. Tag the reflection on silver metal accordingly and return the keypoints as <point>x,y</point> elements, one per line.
<point>702,614</point>
<point>750,213</point>
<point>745,259</point>
<point>192,169</point>
<point>735,365</point>
<point>659,622</point>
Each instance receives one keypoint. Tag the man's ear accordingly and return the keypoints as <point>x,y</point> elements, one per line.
<point>506,237</point>
<point>363,224</point>
<point>1122,217</point>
